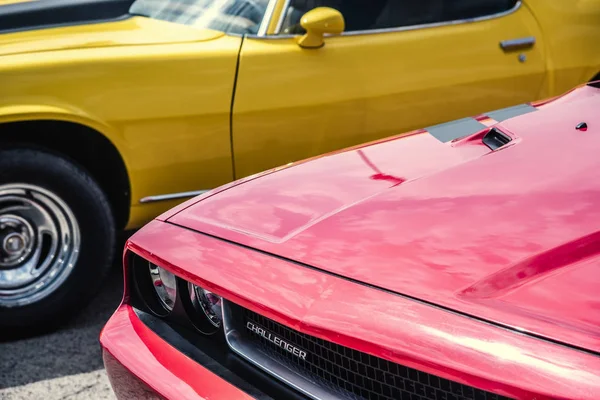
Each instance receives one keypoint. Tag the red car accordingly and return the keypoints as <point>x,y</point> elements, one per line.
<point>461,261</point>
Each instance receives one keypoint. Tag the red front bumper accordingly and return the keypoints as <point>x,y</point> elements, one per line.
<point>142,358</point>
<point>142,365</point>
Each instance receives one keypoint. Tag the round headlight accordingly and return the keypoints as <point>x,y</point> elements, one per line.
<point>165,286</point>
<point>207,303</point>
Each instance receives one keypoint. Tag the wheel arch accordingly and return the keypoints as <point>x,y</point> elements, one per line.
<point>81,142</point>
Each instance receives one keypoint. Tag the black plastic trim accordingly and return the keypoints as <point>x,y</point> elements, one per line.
<point>496,139</point>
<point>54,13</point>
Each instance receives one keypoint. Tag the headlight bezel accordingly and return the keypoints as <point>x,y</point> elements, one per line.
<point>207,321</point>
<point>185,310</point>
<point>165,285</point>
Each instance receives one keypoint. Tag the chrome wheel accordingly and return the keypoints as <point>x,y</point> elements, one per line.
<point>39,243</point>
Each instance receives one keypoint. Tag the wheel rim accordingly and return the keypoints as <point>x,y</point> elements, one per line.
<point>39,243</point>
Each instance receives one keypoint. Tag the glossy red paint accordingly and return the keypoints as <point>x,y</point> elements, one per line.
<point>141,365</point>
<point>125,384</point>
<point>477,266</point>
<point>509,236</point>
<point>377,322</point>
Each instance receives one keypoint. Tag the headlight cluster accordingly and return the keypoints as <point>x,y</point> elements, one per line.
<point>169,296</point>
<point>207,302</point>
<point>165,286</point>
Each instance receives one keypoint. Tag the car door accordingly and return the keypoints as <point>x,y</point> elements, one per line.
<point>400,65</point>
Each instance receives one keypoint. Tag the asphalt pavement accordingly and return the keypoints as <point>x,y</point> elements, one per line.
<point>65,364</point>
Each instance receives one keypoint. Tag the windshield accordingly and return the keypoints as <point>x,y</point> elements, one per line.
<point>231,16</point>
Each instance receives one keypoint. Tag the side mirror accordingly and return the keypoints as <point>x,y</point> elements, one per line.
<point>318,22</point>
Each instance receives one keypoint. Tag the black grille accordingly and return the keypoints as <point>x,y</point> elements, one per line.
<point>355,375</point>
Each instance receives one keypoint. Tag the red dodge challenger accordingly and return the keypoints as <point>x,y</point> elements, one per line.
<point>461,261</point>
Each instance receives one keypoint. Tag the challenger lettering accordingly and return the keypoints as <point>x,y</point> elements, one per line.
<point>277,341</point>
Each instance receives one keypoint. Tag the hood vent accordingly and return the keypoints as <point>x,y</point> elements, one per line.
<point>495,139</point>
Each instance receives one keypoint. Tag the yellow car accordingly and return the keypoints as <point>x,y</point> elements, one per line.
<point>112,111</point>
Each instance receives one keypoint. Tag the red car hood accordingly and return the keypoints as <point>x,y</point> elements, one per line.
<point>510,236</point>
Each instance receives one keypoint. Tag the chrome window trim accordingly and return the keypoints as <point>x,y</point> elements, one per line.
<point>271,37</point>
<point>264,25</point>
<point>171,196</point>
<point>406,28</point>
<point>286,4</point>
<point>267,364</point>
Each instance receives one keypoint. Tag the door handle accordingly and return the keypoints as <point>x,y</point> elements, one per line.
<point>517,44</point>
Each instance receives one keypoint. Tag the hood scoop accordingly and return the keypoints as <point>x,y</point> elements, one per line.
<point>495,139</point>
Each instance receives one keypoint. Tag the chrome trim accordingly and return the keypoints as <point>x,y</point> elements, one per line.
<point>164,283</point>
<point>517,44</point>
<point>264,25</point>
<point>238,345</point>
<point>171,196</point>
<point>271,37</point>
<point>415,27</point>
<point>51,243</point>
<point>286,4</point>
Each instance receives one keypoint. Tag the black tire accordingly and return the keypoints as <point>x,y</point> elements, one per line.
<point>92,212</point>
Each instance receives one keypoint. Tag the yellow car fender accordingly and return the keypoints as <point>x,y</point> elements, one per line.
<point>24,112</point>
<point>39,112</point>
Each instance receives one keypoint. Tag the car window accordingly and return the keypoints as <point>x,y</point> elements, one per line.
<point>231,16</point>
<point>381,14</point>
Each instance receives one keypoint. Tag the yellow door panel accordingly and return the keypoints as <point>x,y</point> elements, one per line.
<point>292,103</point>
